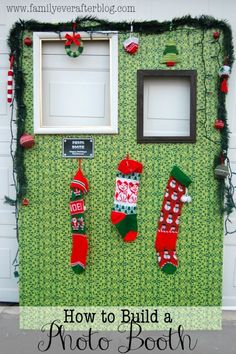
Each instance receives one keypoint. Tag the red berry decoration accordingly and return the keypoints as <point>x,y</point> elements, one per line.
<point>219,124</point>
<point>25,202</point>
<point>27,141</point>
<point>216,35</point>
<point>28,41</point>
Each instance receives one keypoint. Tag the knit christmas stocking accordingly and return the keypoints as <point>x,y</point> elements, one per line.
<point>124,211</point>
<point>168,226</point>
<point>79,187</point>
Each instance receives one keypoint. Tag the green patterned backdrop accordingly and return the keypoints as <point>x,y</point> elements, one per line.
<point>118,273</point>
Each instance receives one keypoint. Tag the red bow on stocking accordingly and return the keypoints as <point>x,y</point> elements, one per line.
<point>72,39</point>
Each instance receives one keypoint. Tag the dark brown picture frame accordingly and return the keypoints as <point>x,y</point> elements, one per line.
<point>141,75</point>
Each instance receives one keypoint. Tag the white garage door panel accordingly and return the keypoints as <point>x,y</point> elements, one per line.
<point>3,93</point>
<point>6,181</point>
<point>77,90</point>
<point>7,218</point>
<point>4,60</point>
<point>7,231</point>
<point>4,185</point>
<point>229,282</point>
<point>4,145</point>
<point>71,99</point>
<point>83,62</point>
<point>95,56</point>
<point>8,242</point>
<point>96,47</point>
<point>232,226</point>
<point>229,277</point>
<point>4,47</point>
<point>4,107</point>
<point>5,263</point>
<point>166,120</point>
<point>10,294</point>
<point>8,249</point>
<point>5,136</point>
<point>177,91</point>
<point>234,274</point>
<point>167,127</point>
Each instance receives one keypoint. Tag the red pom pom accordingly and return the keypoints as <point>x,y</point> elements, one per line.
<point>28,41</point>
<point>170,63</point>
<point>224,86</point>
<point>25,202</point>
<point>128,166</point>
<point>216,35</point>
<point>219,124</point>
<point>27,141</point>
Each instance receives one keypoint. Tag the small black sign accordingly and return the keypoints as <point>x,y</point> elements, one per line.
<point>78,148</point>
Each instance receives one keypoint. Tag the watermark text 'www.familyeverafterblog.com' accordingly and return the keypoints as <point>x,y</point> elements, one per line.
<point>73,9</point>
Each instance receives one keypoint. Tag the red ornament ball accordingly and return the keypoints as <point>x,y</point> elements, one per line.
<point>219,124</point>
<point>25,202</point>
<point>216,35</point>
<point>28,41</point>
<point>27,141</point>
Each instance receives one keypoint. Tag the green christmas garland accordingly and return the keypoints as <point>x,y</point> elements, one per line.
<point>90,24</point>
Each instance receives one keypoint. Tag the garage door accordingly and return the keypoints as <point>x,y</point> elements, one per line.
<point>8,243</point>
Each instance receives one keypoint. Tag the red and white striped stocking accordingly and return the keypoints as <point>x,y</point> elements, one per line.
<point>10,80</point>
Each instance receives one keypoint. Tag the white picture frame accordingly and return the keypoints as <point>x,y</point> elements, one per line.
<point>39,126</point>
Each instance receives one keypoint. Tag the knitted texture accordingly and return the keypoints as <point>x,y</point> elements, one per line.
<point>170,54</point>
<point>168,225</point>
<point>118,273</point>
<point>124,211</point>
<point>79,187</point>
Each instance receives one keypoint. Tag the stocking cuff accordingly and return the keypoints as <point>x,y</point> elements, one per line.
<point>180,176</point>
<point>128,166</point>
<point>80,182</point>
